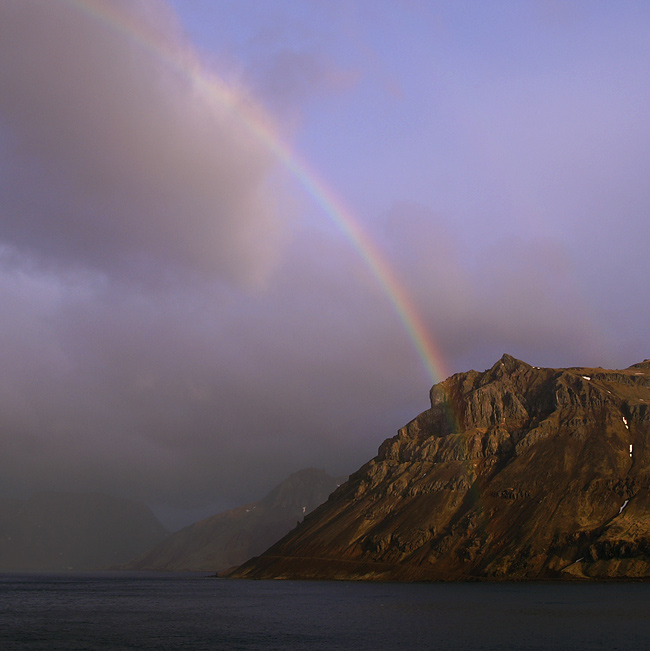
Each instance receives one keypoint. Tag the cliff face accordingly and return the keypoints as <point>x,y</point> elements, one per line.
<point>517,472</point>
<point>229,538</point>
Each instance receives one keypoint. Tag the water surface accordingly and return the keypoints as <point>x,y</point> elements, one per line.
<point>189,611</point>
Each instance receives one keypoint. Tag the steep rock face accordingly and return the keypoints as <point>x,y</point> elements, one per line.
<point>73,531</point>
<point>229,538</point>
<point>517,472</point>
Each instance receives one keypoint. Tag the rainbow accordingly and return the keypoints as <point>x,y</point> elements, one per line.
<point>252,119</point>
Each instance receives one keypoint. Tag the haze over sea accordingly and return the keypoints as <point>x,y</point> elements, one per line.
<point>102,611</point>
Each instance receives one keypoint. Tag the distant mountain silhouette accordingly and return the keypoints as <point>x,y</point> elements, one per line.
<point>229,538</point>
<point>514,473</point>
<point>73,531</point>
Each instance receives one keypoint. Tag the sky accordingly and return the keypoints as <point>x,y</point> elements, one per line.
<point>241,238</point>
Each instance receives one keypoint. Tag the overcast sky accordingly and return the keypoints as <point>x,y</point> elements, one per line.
<point>184,323</point>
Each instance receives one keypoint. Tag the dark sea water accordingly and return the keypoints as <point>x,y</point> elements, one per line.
<point>190,611</point>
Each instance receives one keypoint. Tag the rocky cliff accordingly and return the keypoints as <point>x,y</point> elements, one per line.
<point>517,472</point>
<point>229,538</point>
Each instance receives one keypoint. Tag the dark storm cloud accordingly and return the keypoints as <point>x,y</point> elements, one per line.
<point>197,394</point>
<point>116,158</point>
<point>168,334</point>
<point>194,391</point>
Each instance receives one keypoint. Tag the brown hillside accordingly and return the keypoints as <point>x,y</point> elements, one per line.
<point>517,472</point>
<point>227,539</point>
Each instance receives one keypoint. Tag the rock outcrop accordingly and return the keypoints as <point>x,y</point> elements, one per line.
<point>227,539</point>
<point>514,473</point>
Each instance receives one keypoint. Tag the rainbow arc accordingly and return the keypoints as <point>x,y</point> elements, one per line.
<point>216,90</point>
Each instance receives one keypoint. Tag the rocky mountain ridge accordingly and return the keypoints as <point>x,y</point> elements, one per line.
<point>227,539</point>
<point>516,472</point>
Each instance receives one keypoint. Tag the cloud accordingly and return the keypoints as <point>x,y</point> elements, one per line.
<point>121,153</point>
<point>142,354</point>
<point>289,79</point>
<point>519,295</point>
<point>173,397</point>
<point>202,396</point>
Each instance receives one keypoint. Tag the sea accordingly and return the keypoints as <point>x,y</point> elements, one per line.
<point>102,611</point>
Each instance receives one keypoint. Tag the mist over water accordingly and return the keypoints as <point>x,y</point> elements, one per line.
<point>98,612</point>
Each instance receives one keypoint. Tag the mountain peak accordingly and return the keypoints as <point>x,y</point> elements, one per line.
<point>509,364</point>
<point>516,472</point>
<point>227,539</point>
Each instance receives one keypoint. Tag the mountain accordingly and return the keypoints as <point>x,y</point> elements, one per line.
<point>517,472</point>
<point>227,539</point>
<point>73,531</point>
